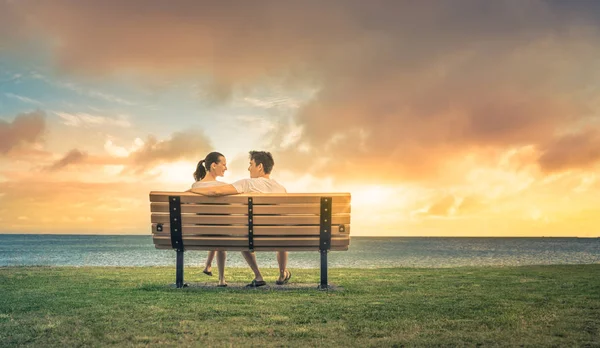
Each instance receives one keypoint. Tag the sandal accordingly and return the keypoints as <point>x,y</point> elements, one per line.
<point>289,276</point>
<point>207,273</point>
<point>285,279</point>
<point>256,284</point>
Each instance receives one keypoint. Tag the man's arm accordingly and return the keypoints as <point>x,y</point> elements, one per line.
<point>222,190</point>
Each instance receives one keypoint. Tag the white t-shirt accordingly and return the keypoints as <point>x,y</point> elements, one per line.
<point>261,185</point>
<point>207,183</point>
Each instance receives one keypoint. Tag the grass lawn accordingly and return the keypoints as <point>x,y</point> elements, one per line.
<point>489,306</point>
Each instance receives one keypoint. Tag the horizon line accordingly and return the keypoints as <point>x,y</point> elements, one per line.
<point>359,236</point>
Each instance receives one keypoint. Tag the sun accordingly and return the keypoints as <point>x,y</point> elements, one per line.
<point>370,195</point>
<point>175,173</point>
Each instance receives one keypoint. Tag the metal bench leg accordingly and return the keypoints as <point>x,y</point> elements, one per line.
<point>179,272</point>
<point>323,285</point>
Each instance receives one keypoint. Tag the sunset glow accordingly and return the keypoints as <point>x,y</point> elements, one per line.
<point>441,119</point>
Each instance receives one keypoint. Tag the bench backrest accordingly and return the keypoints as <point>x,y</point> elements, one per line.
<point>271,221</point>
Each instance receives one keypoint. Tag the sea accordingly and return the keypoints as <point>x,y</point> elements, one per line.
<point>364,252</point>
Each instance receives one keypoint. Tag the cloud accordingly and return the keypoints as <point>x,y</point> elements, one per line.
<point>26,129</point>
<point>442,207</point>
<point>126,162</point>
<point>404,87</point>
<point>83,91</point>
<point>22,98</point>
<point>141,158</point>
<point>272,102</point>
<point>103,96</point>
<point>9,77</point>
<point>181,145</point>
<point>119,151</point>
<point>72,157</point>
<point>11,25</point>
<point>579,150</point>
<point>86,120</point>
<point>469,205</point>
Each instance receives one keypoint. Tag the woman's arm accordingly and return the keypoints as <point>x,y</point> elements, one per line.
<point>223,190</point>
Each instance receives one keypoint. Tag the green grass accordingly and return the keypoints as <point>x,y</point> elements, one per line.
<point>489,306</point>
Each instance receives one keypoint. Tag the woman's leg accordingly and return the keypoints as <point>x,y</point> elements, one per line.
<point>282,259</point>
<point>209,260</point>
<point>221,258</point>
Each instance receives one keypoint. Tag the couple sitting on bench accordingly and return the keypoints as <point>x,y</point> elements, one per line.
<point>261,164</point>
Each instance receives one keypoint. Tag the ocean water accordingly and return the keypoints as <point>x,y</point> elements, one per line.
<point>364,252</point>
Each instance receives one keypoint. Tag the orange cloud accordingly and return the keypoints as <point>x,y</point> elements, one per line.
<point>406,87</point>
<point>580,150</point>
<point>26,129</point>
<point>181,145</point>
<point>12,27</point>
<point>469,205</point>
<point>442,207</point>
<point>72,157</point>
<point>17,140</point>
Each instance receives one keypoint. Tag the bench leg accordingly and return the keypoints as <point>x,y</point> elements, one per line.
<point>179,272</point>
<point>323,285</point>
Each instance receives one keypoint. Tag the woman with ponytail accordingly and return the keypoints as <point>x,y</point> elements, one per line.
<point>207,171</point>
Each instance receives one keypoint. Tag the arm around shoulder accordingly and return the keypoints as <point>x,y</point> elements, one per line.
<point>222,190</point>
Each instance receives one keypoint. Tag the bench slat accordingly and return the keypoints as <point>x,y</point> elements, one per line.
<point>202,208</point>
<point>243,220</point>
<point>265,198</point>
<point>258,209</point>
<point>258,242</point>
<point>199,247</point>
<point>258,230</point>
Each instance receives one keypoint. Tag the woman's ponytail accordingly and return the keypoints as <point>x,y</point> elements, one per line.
<point>200,172</point>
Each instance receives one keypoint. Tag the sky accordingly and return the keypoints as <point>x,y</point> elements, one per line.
<point>441,118</point>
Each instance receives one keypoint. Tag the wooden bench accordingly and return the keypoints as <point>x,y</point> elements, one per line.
<point>251,222</point>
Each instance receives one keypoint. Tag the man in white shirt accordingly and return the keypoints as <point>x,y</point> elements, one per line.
<point>261,164</point>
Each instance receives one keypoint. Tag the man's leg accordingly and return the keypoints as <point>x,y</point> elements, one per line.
<point>221,258</point>
<point>282,259</point>
<point>251,260</point>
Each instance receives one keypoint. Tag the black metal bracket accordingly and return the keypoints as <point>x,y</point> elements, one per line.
<point>179,271</point>
<point>250,224</point>
<point>324,284</point>
<point>175,221</point>
<point>325,239</point>
<point>176,237</point>
<point>325,224</point>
